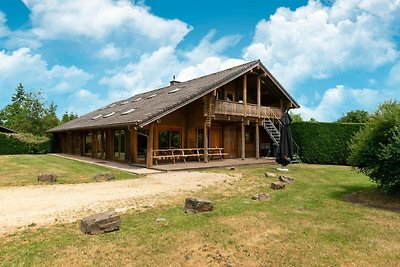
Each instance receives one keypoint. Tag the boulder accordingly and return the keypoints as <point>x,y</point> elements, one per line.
<point>231,168</point>
<point>286,179</point>
<point>278,185</point>
<point>161,219</point>
<point>260,196</point>
<point>101,223</point>
<point>269,174</point>
<point>47,177</point>
<point>104,177</point>
<point>194,205</point>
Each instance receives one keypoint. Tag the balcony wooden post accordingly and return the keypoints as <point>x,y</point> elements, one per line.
<point>150,147</point>
<point>205,140</point>
<point>243,141</point>
<point>244,93</point>
<point>257,141</point>
<point>259,95</point>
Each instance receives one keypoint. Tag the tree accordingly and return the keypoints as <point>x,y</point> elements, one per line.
<point>375,150</point>
<point>355,116</point>
<point>68,117</point>
<point>296,117</point>
<point>28,113</point>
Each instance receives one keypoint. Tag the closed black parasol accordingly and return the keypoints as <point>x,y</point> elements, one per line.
<point>285,151</point>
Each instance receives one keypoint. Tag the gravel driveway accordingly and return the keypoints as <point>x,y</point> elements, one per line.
<point>50,204</point>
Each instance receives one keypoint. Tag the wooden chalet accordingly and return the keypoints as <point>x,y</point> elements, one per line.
<point>232,113</point>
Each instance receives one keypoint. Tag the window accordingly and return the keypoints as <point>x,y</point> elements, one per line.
<point>200,137</point>
<point>128,111</point>
<point>109,114</point>
<point>151,96</point>
<point>169,139</point>
<point>119,144</point>
<point>174,90</point>
<point>229,96</point>
<point>88,144</point>
<point>98,116</point>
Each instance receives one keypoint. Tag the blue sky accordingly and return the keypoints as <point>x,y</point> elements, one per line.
<point>332,56</point>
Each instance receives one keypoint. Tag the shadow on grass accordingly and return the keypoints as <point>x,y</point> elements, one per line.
<point>368,196</point>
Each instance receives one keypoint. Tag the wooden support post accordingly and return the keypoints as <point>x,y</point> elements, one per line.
<point>259,95</point>
<point>244,93</point>
<point>257,141</point>
<point>150,147</point>
<point>243,141</point>
<point>205,138</point>
<point>134,145</point>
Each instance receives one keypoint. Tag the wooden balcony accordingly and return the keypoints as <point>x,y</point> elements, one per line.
<point>250,110</point>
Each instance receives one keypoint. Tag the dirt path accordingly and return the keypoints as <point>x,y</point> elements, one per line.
<point>50,204</point>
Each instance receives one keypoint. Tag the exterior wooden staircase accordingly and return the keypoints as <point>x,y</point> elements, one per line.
<point>275,135</point>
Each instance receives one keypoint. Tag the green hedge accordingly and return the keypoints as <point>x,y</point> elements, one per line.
<point>322,142</point>
<point>23,144</point>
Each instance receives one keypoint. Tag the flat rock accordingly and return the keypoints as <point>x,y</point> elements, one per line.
<point>278,185</point>
<point>231,168</point>
<point>260,196</point>
<point>269,174</point>
<point>194,205</point>
<point>161,219</point>
<point>99,223</point>
<point>47,177</point>
<point>104,177</point>
<point>286,179</point>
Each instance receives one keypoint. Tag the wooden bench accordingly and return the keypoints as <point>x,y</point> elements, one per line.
<point>184,153</point>
<point>217,152</point>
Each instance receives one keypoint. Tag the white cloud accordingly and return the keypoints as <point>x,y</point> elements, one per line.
<point>339,100</point>
<point>157,68</point>
<point>207,66</point>
<point>152,70</point>
<point>315,41</point>
<point>208,48</point>
<point>3,28</point>
<point>111,52</point>
<point>394,76</point>
<point>59,19</point>
<point>83,101</point>
<point>33,72</point>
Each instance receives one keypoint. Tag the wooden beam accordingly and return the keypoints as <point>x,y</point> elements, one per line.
<point>135,147</point>
<point>150,140</point>
<point>244,93</point>
<point>257,141</point>
<point>243,141</point>
<point>259,95</point>
<point>205,141</point>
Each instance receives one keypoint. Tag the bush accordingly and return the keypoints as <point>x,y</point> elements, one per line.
<point>375,150</point>
<point>322,142</point>
<point>23,144</point>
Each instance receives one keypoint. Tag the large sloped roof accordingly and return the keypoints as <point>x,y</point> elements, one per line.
<point>147,107</point>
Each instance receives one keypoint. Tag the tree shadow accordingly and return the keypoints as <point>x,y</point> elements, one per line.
<point>368,196</point>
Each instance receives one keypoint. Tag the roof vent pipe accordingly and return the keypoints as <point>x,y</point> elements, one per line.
<point>173,81</point>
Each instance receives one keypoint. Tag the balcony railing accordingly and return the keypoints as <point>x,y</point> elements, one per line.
<point>250,110</point>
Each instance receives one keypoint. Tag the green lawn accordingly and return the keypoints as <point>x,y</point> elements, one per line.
<point>17,170</point>
<point>307,224</point>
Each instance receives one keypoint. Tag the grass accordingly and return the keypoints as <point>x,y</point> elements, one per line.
<point>19,170</point>
<point>307,224</point>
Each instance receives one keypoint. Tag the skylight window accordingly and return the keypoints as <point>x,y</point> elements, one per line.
<point>175,90</point>
<point>137,99</point>
<point>98,116</point>
<point>112,105</point>
<point>151,96</point>
<point>109,114</point>
<point>128,111</point>
<point>123,103</point>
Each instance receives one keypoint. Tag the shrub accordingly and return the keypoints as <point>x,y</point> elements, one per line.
<point>23,144</point>
<point>322,142</point>
<point>375,150</point>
